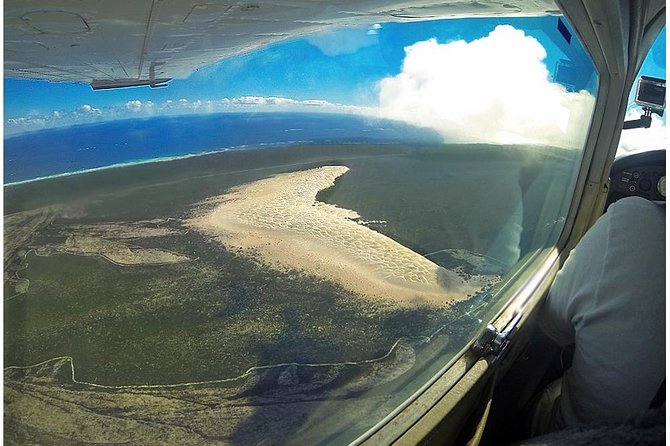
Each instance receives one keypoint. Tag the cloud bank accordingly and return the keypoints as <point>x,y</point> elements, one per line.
<point>88,113</point>
<point>494,90</point>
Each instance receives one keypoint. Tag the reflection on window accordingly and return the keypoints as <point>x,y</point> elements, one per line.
<point>286,245</point>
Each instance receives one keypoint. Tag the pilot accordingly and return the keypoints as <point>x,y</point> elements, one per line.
<point>609,301</point>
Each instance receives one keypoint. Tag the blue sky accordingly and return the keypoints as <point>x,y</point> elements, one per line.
<point>655,137</point>
<point>297,69</point>
<point>654,64</point>
<point>346,70</point>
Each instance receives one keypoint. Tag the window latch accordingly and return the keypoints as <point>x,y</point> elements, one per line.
<point>493,343</point>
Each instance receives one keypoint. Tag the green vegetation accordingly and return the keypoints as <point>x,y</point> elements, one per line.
<point>217,316</point>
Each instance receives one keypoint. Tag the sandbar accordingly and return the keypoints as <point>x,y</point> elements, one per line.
<point>279,220</point>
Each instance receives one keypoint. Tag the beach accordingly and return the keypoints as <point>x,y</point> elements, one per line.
<point>279,221</point>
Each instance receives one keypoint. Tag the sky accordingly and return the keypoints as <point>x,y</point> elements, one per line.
<point>655,137</point>
<point>339,67</point>
<point>495,80</point>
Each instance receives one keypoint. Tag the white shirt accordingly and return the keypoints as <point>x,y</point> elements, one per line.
<point>609,300</point>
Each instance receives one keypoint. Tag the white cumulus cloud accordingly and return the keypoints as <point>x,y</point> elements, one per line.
<point>642,140</point>
<point>250,100</point>
<point>317,103</point>
<point>137,108</point>
<point>134,106</point>
<point>89,109</point>
<point>495,89</point>
<point>280,101</point>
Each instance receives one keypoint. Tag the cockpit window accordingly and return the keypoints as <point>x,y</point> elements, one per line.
<point>284,246</point>
<point>637,140</point>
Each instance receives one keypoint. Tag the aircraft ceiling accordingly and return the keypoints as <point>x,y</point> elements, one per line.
<point>116,43</point>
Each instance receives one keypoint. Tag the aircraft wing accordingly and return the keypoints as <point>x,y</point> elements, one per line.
<point>119,43</point>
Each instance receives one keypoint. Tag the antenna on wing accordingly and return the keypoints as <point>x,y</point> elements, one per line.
<point>153,82</point>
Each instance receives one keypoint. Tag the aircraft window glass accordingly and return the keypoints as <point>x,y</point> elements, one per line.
<point>328,225</point>
<point>652,138</point>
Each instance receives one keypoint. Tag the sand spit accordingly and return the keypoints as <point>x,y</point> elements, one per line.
<point>279,220</point>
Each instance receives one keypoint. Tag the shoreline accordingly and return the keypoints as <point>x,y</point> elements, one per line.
<point>165,159</point>
<point>120,165</point>
<point>392,132</point>
<point>234,148</point>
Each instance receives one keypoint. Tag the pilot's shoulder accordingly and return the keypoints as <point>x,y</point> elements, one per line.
<point>634,225</point>
<point>630,206</point>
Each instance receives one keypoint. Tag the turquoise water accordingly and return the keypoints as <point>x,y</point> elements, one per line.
<point>82,148</point>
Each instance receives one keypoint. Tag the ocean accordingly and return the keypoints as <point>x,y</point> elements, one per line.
<point>93,146</point>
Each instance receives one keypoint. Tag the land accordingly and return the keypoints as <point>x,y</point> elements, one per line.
<point>113,242</point>
<point>46,403</point>
<point>125,320</point>
<point>21,228</point>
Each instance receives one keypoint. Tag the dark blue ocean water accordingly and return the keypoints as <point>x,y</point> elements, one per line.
<point>74,149</point>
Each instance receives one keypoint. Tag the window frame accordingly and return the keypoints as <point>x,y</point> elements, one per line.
<point>439,410</point>
<point>454,391</point>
